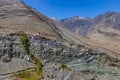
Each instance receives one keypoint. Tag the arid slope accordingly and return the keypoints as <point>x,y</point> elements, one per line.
<point>17,16</point>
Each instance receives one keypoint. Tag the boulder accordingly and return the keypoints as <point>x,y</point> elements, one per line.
<point>27,58</point>
<point>6,58</point>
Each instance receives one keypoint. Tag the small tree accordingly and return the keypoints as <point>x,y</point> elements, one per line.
<point>39,66</point>
<point>25,41</point>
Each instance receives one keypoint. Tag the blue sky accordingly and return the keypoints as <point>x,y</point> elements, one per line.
<point>67,8</point>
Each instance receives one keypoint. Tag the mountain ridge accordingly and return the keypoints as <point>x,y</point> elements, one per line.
<point>24,16</point>
<point>104,30</point>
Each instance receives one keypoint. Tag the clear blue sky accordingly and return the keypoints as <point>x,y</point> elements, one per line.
<point>67,8</point>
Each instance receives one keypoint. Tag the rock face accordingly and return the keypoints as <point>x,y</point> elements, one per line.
<point>14,65</point>
<point>83,63</point>
<point>10,46</point>
<point>54,51</point>
<point>12,55</point>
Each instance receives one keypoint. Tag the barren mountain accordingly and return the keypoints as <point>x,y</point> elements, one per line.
<point>109,21</point>
<point>17,16</point>
<point>106,30</point>
<point>103,30</point>
<point>77,24</point>
<point>54,46</point>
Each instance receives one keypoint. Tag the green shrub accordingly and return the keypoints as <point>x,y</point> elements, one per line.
<point>39,66</point>
<point>38,69</point>
<point>63,66</point>
<point>25,41</point>
<point>32,56</point>
<point>23,74</point>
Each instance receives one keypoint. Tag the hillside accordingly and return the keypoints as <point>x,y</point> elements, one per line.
<point>31,41</point>
<point>103,30</point>
<point>16,16</point>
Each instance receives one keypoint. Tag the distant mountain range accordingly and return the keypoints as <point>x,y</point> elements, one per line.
<point>85,25</point>
<point>106,25</point>
<point>77,24</point>
<point>103,29</point>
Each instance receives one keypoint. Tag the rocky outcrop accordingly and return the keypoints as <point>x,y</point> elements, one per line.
<point>10,46</point>
<point>12,55</point>
<point>83,63</point>
<point>15,65</point>
<point>54,51</point>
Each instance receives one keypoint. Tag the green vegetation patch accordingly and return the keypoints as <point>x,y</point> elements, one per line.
<point>25,41</point>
